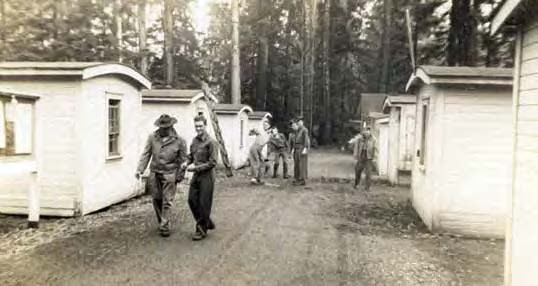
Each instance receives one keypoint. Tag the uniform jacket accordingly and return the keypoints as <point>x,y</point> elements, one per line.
<point>278,143</point>
<point>301,139</point>
<point>166,154</point>
<point>203,153</point>
<point>369,144</point>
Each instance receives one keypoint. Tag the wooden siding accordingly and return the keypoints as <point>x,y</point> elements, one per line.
<point>520,267</point>
<point>476,161</point>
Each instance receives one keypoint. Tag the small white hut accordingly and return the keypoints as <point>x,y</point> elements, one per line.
<point>380,130</point>
<point>183,104</point>
<point>521,259</point>
<point>233,120</point>
<point>462,169</point>
<point>402,111</point>
<point>75,124</point>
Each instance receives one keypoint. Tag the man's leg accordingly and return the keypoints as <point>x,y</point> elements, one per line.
<point>207,185</point>
<point>358,173</point>
<point>155,189</point>
<point>275,158</point>
<point>284,156</point>
<point>368,174</point>
<point>194,198</point>
<point>168,194</point>
<point>296,165</point>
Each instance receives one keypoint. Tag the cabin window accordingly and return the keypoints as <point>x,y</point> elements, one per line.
<point>424,133</point>
<point>114,128</point>
<point>241,136</point>
<point>16,127</point>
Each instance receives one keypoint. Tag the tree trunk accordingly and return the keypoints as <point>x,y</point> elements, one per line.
<point>118,28</point>
<point>262,59</point>
<point>168,43</point>
<point>326,132</point>
<point>236,77</point>
<point>290,78</point>
<point>312,62</point>
<point>142,37</point>
<point>386,61</point>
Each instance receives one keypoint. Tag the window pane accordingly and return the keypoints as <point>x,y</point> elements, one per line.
<point>23,129</point>
<point>113,126</point>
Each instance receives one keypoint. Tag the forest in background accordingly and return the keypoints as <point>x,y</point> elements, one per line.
<point>309,57</point>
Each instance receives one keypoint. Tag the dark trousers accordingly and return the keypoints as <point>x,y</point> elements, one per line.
<point>201,197</point>
<point>163,190</point>
<point>276,156</point>
<point>300,166</point>
<point>367,166</point>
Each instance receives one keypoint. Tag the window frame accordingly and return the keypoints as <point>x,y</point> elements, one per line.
<point>424,128</point>
<point>6,100</point>
<point>119,98</point>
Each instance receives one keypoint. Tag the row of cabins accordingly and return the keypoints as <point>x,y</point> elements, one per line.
<point>81,127</point>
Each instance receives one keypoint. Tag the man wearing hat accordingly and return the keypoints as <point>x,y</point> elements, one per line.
<point>202,160</point>
<point>167,152</point>
<point>301,146</point>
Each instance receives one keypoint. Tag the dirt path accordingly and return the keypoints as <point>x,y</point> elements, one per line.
<point>326,234</point>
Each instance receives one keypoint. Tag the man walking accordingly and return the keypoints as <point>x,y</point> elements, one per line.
<point>278,147</point>
<point>203,155</point>
<point>301,146</point>
<point>167,152</point>
<point>364,152</point>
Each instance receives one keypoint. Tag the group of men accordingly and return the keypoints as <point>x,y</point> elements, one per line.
<point>170,160</point>
<point>279,149</point>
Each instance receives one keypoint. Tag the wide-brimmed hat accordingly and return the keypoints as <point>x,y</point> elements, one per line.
<point>165,120</point>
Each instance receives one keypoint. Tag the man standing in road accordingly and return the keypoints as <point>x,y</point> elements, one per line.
<point>278,148</point>
<point>301,146</point>
<point>364,152</point>
<point>167,152</point>
<point>203,157</point>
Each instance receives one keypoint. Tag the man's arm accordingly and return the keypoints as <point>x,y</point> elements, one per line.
<point>182,157</point>
<point>145,157</point>
<point>212,162</point>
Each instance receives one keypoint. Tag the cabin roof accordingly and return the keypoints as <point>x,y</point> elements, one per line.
<point>371,102</point>
<point>83,70</point>
<point>259,115</point>
<point>398,99</point>
<point>227,108</point>
<point>460,76</point>
<point>174,95</point>
<point>16,94</point>
<point>509,12</point>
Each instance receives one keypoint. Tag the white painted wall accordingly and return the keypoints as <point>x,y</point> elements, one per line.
<point>402,139</point>
<point>55,148</point>
<point>522,234</point>
<point>476,169</point>
<point>383,149</point>
<point>105,180</point>
<point>462,187</point>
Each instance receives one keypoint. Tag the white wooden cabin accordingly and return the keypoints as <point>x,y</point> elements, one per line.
<point>75,124</point>
<point>402,111</point>
<point>521,256</point>
<point>259,120</point>
<point>462,167</point>
<point>380,130</point>
<point>233,120</point>
<point>183,104</point>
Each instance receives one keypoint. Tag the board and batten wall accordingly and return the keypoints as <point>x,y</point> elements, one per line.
<point>462,186</point>
<point>55,147</point>
<point>105,179</point>
<point>232,132</point>
<point>521,259</point>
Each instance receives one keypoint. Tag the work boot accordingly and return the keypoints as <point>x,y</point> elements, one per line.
<point>210,225</point>
<point>164,233</point>
<point>199,234</point>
